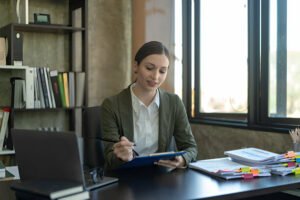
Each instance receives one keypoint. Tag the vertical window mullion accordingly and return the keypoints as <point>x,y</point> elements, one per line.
<point>281,62</point>
<point>187,54</point>
<point>253,61</point>
<point>197,26</point>
<point>264,87</point>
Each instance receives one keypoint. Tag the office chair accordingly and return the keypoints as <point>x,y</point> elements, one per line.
<point>93,147</point>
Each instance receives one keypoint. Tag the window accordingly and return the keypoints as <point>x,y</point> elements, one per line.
<point>284,59</point>
<point>243,62</point>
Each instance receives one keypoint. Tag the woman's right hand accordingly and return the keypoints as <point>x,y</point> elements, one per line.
<point>124,149</point>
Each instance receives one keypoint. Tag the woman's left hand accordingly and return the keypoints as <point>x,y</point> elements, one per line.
<point>177,162</point>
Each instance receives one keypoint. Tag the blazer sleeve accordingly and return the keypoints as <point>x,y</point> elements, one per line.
<point>183,133</point>
<point>110,130</point>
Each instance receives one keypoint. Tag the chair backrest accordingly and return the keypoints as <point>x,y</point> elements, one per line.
<point>93,147</point>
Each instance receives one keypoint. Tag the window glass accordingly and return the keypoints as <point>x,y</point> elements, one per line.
<point>223,56</point>
<point>284,60</point>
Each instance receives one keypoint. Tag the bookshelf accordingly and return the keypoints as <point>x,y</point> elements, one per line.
<point>44,45</point>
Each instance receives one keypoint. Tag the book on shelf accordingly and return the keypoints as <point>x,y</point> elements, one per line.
<point>29,83</point>
<point>53,104</point>
<point>1,116</point>
<point>227,169</point>
<point>18,92</point>
<point>80,84</point>
<point>71,76</point>
<point>66,89</point>
<point>37,102</point>
<point>55,87</point>
<point>61,89</point>
<point>4,126</point>
<point>3,50</point>
<point>44,87</point>
<point>40,101</point>
<point>47,189</point>
<point>48,89</point>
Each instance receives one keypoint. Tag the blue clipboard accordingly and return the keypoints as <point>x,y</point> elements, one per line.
<point>140,161</point>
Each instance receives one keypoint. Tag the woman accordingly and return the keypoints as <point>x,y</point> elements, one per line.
<point>144,117</point>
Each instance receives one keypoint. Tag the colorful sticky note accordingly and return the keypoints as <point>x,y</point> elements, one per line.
<point>290,154</point>
<point>291,164</point>
<point>247,176</point>
<point>245,169</point>
<point>297,171</point>
<point>255,172</point>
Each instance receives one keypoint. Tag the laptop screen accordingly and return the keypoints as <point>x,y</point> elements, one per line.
<point>47,155</point>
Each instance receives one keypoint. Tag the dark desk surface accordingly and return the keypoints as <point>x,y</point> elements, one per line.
<point>155,183</point>
<point>189,184</point>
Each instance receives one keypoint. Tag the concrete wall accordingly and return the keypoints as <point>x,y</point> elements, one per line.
<point>109,43</point>
<point>214,140</point>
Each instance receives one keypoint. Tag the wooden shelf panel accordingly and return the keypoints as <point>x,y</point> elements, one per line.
<point>46,28</point>
<point>7,152</point>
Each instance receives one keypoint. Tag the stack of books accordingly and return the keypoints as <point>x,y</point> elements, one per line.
<point>53,89</point>
<point>60,190</point>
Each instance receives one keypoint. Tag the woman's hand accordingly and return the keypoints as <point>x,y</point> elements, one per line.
<point>177,162</point>
<point>123,149</point>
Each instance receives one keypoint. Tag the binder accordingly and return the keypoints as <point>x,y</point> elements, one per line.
<point>29,82</point>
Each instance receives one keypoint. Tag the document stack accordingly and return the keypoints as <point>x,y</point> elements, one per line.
<point>280,164</point>
<point>228,169</point>
<point>59,190</point>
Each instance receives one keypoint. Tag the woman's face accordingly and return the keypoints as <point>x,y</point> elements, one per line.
<point>151,72</point>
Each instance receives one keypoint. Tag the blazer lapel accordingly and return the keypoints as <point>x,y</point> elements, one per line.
<point>163,122</point>
<point>125,109</point>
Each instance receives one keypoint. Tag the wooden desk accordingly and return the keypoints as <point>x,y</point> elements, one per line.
<point>154,183</point>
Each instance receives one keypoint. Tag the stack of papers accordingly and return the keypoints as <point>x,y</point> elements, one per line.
<point>249,163</point>
<point>283,171</point>
<point>280,164</point>
<point>228,169</point>
<point>255,157</point>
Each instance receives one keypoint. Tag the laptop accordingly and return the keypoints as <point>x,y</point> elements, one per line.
<point>52,156</point>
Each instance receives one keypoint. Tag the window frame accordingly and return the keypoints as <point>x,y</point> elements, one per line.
<point>258,72</point>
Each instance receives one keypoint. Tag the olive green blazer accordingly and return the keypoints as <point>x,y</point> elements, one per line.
<point>117,119</point>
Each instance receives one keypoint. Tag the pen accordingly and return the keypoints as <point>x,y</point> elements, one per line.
<point>116,141</point>
<point>122,134</point>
